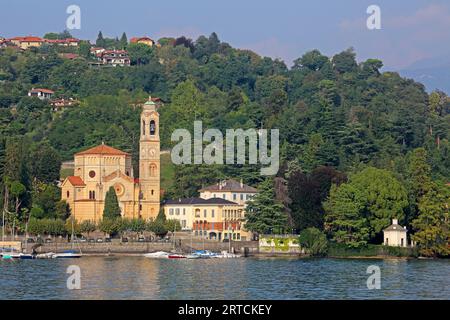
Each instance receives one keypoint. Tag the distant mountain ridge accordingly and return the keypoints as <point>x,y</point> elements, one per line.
<point>434,73</point>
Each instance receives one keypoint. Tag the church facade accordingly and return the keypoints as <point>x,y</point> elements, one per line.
<point>99,168</point>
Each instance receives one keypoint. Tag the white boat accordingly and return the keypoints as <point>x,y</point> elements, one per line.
<point>205,254</point>
<point>227,255</point>
<point>48,255</point>
<point>193,256</point>
<point>10,254</point>
<point>157,255</point>
<point>70,254</point>
<point>26,256</point>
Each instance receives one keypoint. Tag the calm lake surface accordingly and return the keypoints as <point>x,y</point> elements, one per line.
<point>250,278</point>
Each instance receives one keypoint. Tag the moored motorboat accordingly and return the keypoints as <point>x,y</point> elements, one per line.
<point>192,256</point>
<point>48,255</point>
<point>7,255</point>
<point>228,255</point>
<point>176,256</point>
<point>205,254</point>
<point>25,256</point>
<point>157,255</point>
<point>69,254</point>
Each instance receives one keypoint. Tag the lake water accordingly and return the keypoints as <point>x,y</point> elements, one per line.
<point>250,278</point>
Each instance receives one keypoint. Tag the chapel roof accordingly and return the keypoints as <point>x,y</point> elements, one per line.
<point>103,149</point>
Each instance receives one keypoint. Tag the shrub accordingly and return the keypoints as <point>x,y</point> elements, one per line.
<point>314,241</point>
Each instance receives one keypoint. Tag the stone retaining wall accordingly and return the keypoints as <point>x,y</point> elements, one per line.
<point>145,247</point>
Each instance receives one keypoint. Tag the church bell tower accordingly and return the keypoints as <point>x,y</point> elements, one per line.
<point>149,162</point>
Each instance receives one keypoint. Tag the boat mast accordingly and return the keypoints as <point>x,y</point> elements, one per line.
<point>71,237</point>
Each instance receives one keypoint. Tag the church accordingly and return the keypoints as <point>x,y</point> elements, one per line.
<point>100,167</point>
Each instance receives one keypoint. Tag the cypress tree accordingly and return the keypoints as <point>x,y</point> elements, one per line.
<point>123,41</point>
<point>100,42</point>
<point>112,209</point>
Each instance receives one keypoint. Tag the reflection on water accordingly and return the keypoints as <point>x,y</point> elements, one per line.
<point>142,278</point>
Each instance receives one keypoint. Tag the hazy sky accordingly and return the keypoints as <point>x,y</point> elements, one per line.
<point>411,30</point>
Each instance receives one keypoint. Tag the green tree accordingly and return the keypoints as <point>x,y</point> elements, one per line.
<point>62,210</point>
<point>432,225</point>
<point>100,42</point>
<point>111,226</point>
<point>87,226</point>
<point>46,163</point>
<point>312,60</point>
<point>140,53</point>
<point>384,198</point>
<point>343,220</point>
<point>112,209</point>
<point>345,61</point>
<point>264,213</point>
<point>314,241</point>
<point>159,225</point>
<point>123,41</point>
<point>359,210</point>
<point>84,49</point>
<point>47,197</point>
<point>418,180</point>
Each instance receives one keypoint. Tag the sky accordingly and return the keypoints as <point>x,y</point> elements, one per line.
<point>411,30</point>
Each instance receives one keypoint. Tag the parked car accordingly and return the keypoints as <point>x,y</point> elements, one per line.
<point>124,239</point>
<point>141,239</point>
<point>30,240</point>
<point>107,239</point>
<point>99,240</point>
<point>48,240</point>
<point>91,240</point>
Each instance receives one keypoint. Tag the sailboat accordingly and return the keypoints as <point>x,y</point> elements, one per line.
<point>68,254</point>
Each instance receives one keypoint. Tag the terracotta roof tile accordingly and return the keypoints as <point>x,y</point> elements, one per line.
<point>42,90</point>
<point>103,149</point>
<point>28,39</point>
<point>76,181</point>
<point>136,39</point>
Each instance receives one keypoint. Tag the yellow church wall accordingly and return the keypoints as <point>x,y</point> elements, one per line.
<point>100,170</point>
<point>101,165</point>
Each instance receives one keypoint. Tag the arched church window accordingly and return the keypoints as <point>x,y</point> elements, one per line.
<point>68,194</point>
<point>152,127</point>
<point>153,170</point>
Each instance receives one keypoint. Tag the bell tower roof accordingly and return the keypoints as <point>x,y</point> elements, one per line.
<point>149,104</point>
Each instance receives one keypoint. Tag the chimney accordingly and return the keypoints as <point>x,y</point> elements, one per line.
<point>394,221</point>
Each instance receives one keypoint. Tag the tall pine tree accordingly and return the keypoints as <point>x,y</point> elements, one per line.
<point>264,213</point>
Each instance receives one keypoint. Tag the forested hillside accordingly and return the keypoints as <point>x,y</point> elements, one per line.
<point>336,117</point>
